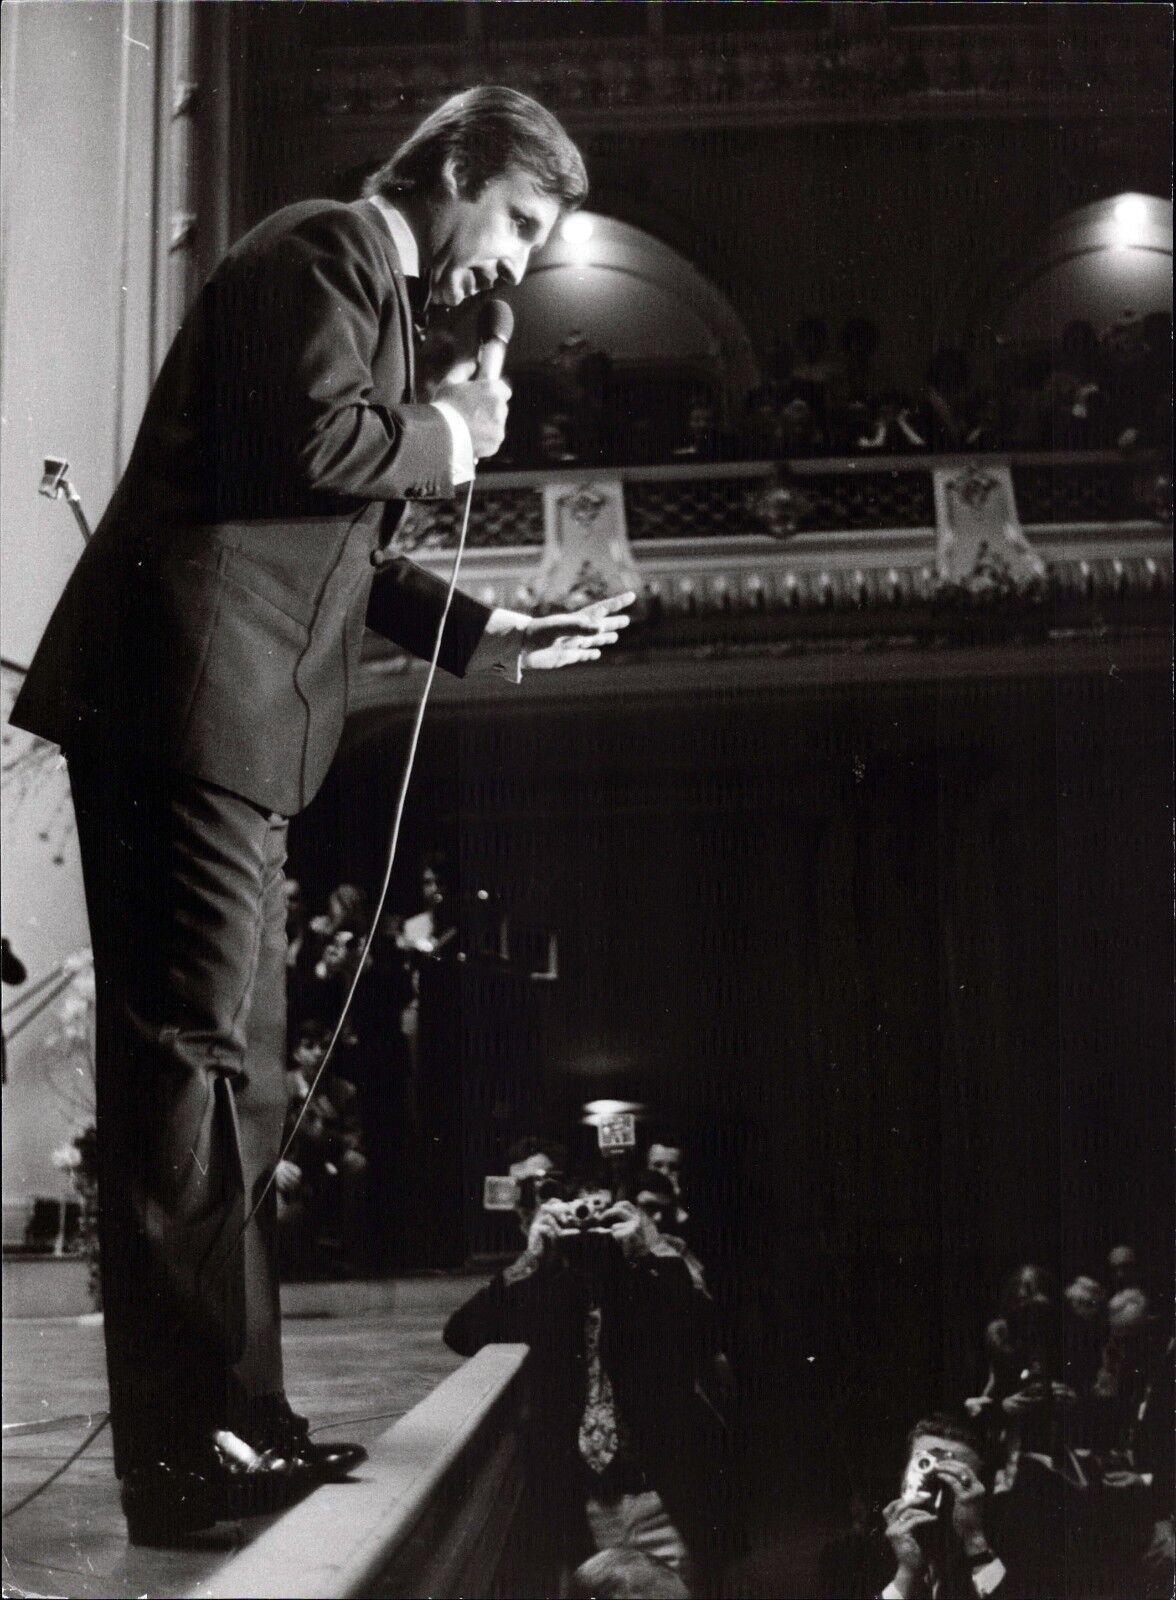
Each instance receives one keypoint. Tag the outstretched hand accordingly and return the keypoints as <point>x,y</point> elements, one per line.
<point>570,637</point>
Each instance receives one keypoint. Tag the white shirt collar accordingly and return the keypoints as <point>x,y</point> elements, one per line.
<point>402,236</point>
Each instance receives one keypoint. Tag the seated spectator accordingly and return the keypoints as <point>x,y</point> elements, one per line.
<point>813,368</point>
<point>1134,1410</point>
<point>759,432</point>
<point>595,414</point>
<point>622,1449</point>
<point>1076,402</point>
<point>858,384</point>
<point>798,431</point>
<point>555,441</point>
<point>1024,1403</point>
<point>1084,1331</point>
<point>655,1194</point>
<point>1022,421</point>
<point>1123,1269</point>
<point>705,441</point>
<point>892,428</point>
<point>537,1166</point>
<point>664,1154</point>
<point>628,1575</point>
<point>320,1184</point>
<point>954,415</point>
<point>937,1527</point>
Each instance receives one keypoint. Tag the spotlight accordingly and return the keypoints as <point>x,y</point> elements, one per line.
<point>1129,219</point>
<point>577,228</point>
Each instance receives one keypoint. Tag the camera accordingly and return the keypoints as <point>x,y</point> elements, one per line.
<point>583,1243</point>
<point>923,1485</point>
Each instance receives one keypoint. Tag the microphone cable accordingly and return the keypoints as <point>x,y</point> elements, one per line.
<point>389,864</point>
<point>390,859</point>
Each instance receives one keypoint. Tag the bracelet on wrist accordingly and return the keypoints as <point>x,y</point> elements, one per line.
<point>981,1558</point>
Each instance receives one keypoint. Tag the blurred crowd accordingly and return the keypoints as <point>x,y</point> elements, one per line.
<point>341,1184</point>
<point>842,394</point>
<point>1056,1477</point>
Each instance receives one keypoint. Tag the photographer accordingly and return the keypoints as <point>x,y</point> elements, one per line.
<point>936,1526</point>
<point>623,1450</point>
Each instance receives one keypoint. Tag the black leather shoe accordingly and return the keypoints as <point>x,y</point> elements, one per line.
<point>288,1433</point>
<point>168,1499</point>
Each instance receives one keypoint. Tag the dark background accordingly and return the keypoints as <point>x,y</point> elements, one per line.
<point>892,949</point>
<point>895,956</point>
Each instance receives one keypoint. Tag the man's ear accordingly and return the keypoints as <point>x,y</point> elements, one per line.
<point>454,176</point>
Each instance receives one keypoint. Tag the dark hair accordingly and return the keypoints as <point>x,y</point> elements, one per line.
<point>942,1425</point>
<point>617,1570</point>
<point>653,1183</point>
<point>534,1144</point>
<point>1041,1282</point>
<point>487,130</point>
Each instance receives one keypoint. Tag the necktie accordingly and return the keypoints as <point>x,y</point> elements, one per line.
<point>599,1426</point>
<point>419,295</point>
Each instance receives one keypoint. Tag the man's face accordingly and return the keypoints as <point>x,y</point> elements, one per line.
<point>431,891</point>
<point>477,243</point>
<point>662,1212</point>
<point>666,1159</point>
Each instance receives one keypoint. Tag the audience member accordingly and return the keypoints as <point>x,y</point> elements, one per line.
<point>623,1450</point>
<point>1123,1270</point>
<point>538,1166</point>
<point>813,368</point>
<point>1075,398</point>
<point>937,1526</point>
<point>627,1575</point>
<point>704,438</point>
<point>555,441</point>
<point>890,426</point>
<point>954,415</point>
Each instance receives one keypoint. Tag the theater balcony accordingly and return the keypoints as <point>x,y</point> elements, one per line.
<point>849,568</point>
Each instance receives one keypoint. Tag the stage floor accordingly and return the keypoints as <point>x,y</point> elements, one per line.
<point>372,1363</point>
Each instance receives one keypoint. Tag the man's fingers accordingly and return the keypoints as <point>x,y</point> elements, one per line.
<point>462,372</point>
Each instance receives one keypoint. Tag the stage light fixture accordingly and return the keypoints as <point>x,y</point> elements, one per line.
<point>577,228</point>
<point>1129,220</point>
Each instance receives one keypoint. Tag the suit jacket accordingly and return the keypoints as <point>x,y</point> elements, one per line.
<point>215,619</point>
<point>654,1344</point>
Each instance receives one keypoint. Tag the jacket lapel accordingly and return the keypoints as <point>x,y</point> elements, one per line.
<point>407,333</point>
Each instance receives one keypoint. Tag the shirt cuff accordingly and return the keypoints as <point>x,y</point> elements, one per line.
<point>502,646</point>
<point>989,1577</point>
<point>461,445</point>
<point>891,1593</point>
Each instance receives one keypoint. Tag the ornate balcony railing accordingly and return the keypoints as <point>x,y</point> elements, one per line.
<point>1069,545</point>
<point>713,502</point>
<point>954,69</point>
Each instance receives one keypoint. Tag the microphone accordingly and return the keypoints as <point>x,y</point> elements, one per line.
<point>495,326</point>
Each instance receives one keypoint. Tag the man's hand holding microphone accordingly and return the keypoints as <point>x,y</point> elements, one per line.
<point>476,389</point>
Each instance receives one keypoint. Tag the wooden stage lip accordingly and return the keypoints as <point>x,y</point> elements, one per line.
<point>391,1529</point>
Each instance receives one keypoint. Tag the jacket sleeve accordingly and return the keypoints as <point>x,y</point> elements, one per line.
<point>330,303</point>
<point>406,606</point>
<point>495,1315</point>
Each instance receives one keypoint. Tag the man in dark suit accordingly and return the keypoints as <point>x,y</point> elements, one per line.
<point>196,674</point>
<point>623,1447</point>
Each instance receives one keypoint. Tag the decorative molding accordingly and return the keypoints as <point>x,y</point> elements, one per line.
<point>955,70</point>
<point>823,587</point>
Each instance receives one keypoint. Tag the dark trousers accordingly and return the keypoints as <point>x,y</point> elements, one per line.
<point>188,922</point>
